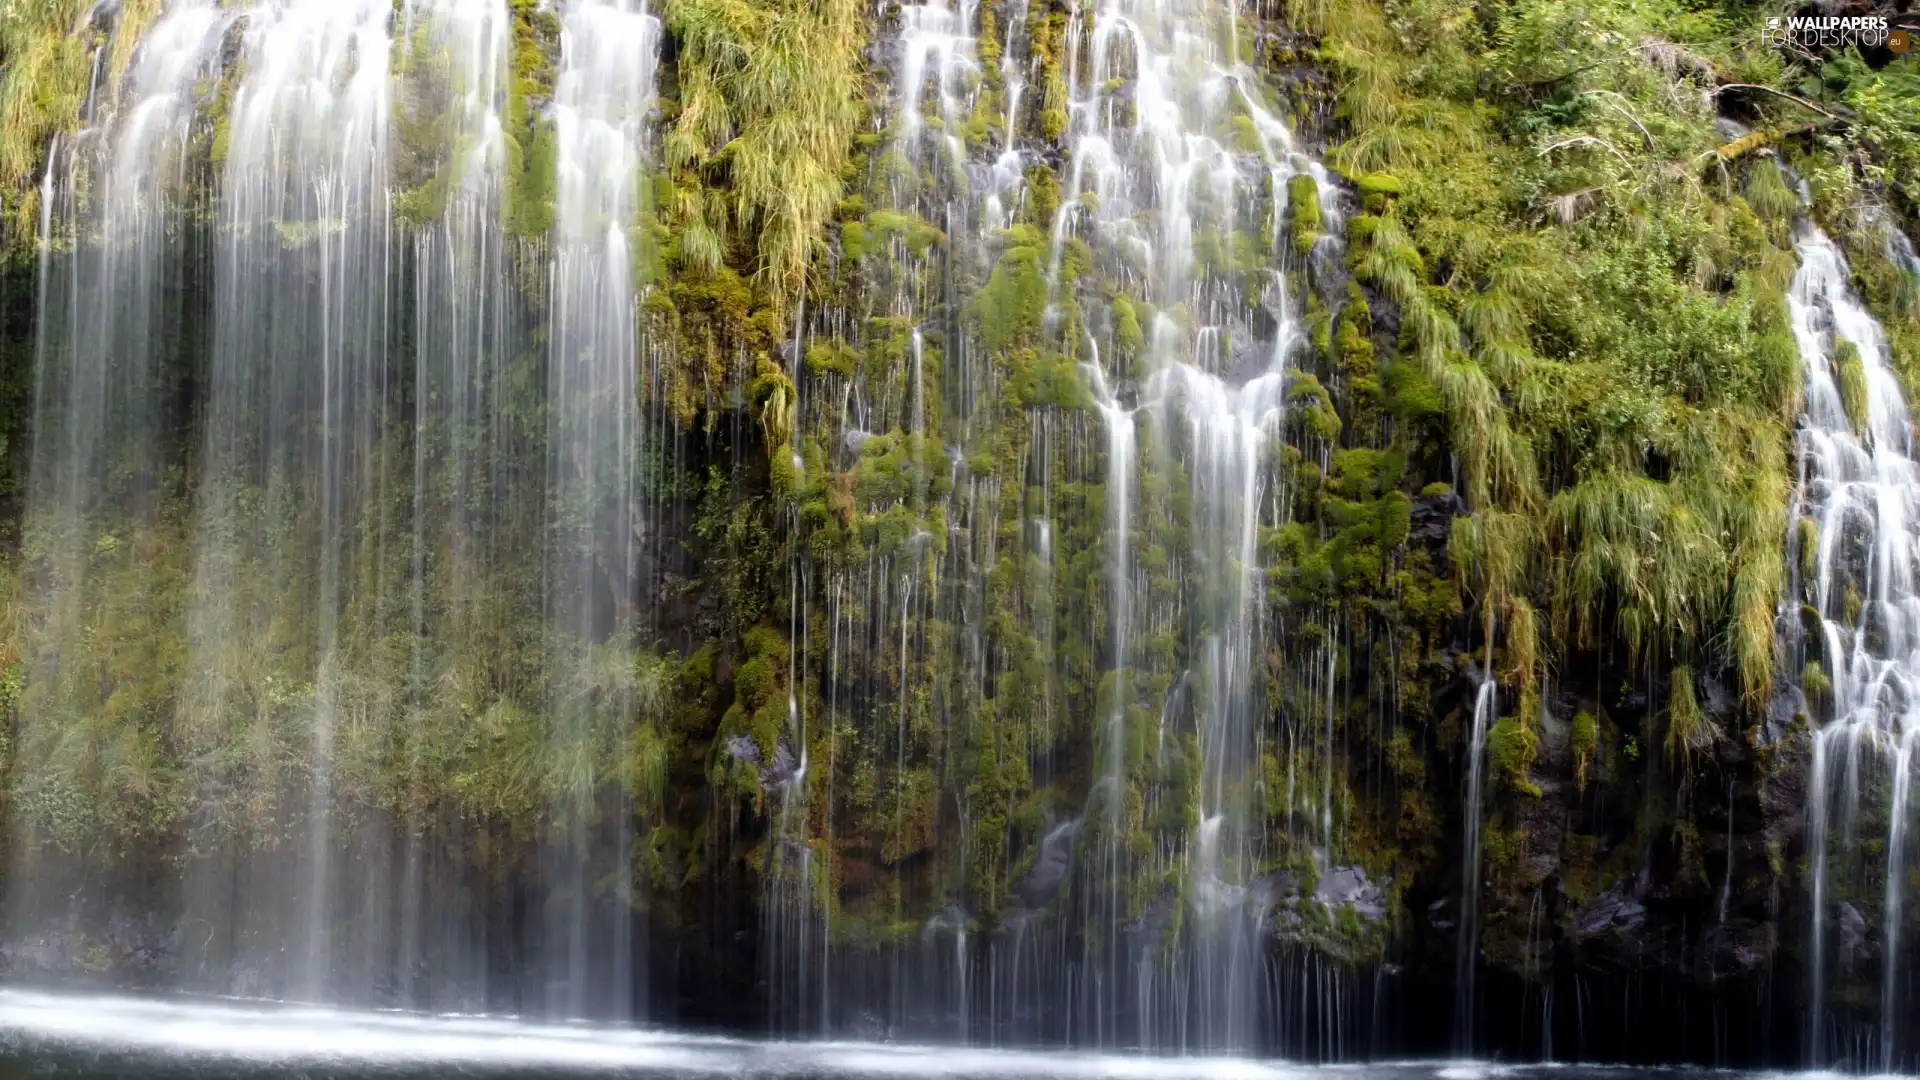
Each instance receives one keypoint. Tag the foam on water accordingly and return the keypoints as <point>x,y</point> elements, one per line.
<point>270,1034</point>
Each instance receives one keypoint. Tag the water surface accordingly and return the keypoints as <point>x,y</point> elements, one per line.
<point>72,1035</point>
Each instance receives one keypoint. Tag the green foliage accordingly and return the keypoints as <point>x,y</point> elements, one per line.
<point>1586,738</point>
<point>1689,732</point>
<point>1512,745</point>
<point>767,115</point>
<point>1850,375</point>
<point>1767,192</point>
<point>46,64</point>
<point>1010,307</point>
<point>531,150</point>
<point>1602,333</point>
<point>1303,212</point>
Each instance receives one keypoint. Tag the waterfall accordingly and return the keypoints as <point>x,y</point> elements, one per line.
<point>1856,499</point>
<point>603,103</point>
<point>294,420</point>
<point>1172,198</point>
<point>113,272</point>
<point>295,217</point>
<point>1213,381</point>
<point>464,494</point>
<point>1044,445</point>
<point>1485,702</point>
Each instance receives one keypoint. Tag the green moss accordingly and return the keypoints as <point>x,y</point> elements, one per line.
<point>1767,192</point>
<point>1586,737</point>
<point>1850,376</point>
<point>1379,183</point>
<point>1010,308</point>
<point>1303,213</point>
<point>1688,730</point>
<point>1043,197</point>
<point>1511,747</point>
<point>1313,407</point>
<point>531,149</point>
<point>918,236</point>
<point>1126,327</point>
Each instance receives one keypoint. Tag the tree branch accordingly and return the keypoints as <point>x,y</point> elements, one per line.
<point>1795,98</point>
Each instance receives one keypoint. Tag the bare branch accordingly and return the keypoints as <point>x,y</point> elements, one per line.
<point>1795,98</point>
<point>1587,140</point>
<point>1620,106</point>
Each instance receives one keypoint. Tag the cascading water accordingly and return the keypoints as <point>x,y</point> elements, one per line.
<point>1041,691</point>
<point>464,490</point>
<point>384,449</point>
<point>1856,550</point>
<point>1163,188</point>
<point>1467,966</point>
<point>113,264</point>
<point>294,418</point>
<point>1175,196</point>
<point>603,102</point>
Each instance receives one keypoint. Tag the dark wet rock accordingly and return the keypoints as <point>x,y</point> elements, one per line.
<point>1611,913</point>
<point>743,748</point>
<point>1433,517</point>
<point>782,768</point>
<point>1051,865</point>
<point>1343,917</point>
<point>1348,887</point>
<point>123,948</point>
<point>853,439</point>
<point>950,920</point>
<point>1853,933</point>
<point>1157,920</point>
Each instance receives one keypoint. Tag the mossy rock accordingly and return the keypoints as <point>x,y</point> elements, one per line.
<point>1379,183</point>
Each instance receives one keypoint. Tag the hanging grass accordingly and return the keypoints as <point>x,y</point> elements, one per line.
<point>769,106</point>
<point>1767,192</point>
<point>46,64</point>
<point>1620,383</point>
<point>1689,731</point>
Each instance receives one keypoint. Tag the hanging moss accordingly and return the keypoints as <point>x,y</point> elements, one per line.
<point>1512,745</point>
<point>531,149</point>
<point>1688,730</point>
<point>1010,307</point>
<point>1586,738</point>
<point>767,115</point>
<point>1767,192</point>
<point>1303,213</point>
<point>1850,376</point>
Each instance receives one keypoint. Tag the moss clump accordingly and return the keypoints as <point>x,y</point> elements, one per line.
<point>1512,745</point>
<point>1815,685</point>
<point>1586,738</point>
<point>1850,378</point>
<point>1126,327</point>
<point>1353,352</point>
<point>1688,730</point>
<point>1010,308</point>
<point>1377,191</point>
<point>1807,544</point>
<point>918,236</point>
<point>1303,213</point>
<point>531,149</point>
<point>1312,407</point>
<point>1767,192</point>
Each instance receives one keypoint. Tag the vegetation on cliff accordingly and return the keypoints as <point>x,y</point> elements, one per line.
<point>1541,431</point>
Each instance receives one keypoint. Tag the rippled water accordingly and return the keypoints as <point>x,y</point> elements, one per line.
<point>71,1035</point>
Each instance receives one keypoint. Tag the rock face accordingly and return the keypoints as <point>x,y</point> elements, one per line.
<point>1016,563</point>
<point>1051,866</point>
